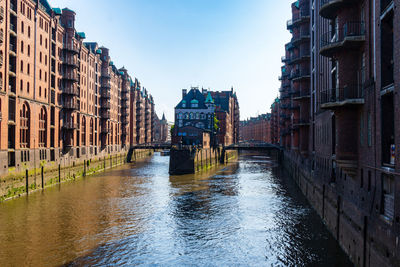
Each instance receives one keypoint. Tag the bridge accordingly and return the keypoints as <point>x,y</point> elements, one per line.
<point>253,146</point>
<point>239,146</point>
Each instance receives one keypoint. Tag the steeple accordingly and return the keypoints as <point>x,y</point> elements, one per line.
<point>163,117</point>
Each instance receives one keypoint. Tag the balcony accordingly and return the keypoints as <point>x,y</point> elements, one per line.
<point>105,115</point>
<point>105,105</point>
<point>338,97</point>
<point>302,16</point>
<point>303,36</point>
<point>301,122</point>
<point>350,36</point>
<point>124,120</point>
<point>69,125</point>
<point>1,36</point>
<point>284,59</point>
<point>105,130</point>
<point>71,105</point>
<point>70,90</point>
<point>13,49</point>
<point>105,94</point>
<point>124,105</point>
<point>106,85</point>
<point>304,54</point>
<point>71,48</point>
<point>1,14</point>
<point>299,74</point>
<point>289,24</point>
<point>13,7</point>
<point>72,76</point>
<point>302,95</point>
<point>71,61</point>
<point>105,76</point>
<point>124,131</point>
<point>329,8</point>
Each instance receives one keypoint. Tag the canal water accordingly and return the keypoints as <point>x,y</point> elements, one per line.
<point>246,214</point>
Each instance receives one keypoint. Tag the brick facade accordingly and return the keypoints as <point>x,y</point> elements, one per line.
<point>352,105</point>
<point>61,99</point>
<point>256,129</point>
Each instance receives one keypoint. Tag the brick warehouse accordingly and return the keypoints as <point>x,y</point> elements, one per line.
<point>256,129</point>
<point>62,99</point>
<point>349,165</point>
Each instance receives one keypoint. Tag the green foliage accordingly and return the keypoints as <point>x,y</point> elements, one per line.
<point>216,123</point>
<point>172,129</point>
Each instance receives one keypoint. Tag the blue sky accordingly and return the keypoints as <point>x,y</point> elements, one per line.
<point>173,44</point>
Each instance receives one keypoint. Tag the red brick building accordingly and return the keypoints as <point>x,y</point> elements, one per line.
<point>61,99</point>
<point>340,120</point>
<point>256,129</point>
<point>200,109</point>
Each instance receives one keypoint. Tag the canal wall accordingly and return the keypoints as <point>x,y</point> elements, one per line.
<point>189,161</point>
<point>358,235</point>
<point>18,183</point>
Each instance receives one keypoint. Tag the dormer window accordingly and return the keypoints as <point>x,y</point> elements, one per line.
<point>184,104</point>
<point>194,103</point>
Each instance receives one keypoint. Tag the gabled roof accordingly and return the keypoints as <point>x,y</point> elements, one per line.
<point>193,94</point>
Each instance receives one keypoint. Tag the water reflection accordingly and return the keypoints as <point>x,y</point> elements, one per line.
<point>247,213</point>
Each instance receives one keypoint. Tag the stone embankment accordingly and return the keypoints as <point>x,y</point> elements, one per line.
<point>18,183</point>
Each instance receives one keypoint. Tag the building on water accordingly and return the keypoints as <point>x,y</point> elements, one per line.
<point>214,113</point>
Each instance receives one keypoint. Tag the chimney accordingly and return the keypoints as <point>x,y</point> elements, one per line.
<point>204,91</point>
<point>184,92</point>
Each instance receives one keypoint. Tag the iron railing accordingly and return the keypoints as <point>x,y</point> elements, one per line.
<point>350,29</point>
<point>335,95</point>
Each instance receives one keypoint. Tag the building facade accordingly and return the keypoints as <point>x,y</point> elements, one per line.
<point>213,112</point>
<point>342,73</point>
<point>61,98</point>
<point>256,129</point>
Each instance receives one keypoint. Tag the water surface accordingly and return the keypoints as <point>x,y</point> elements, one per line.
<point>246,214</point>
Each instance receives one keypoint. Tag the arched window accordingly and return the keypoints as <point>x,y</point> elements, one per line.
<point>197,116</point>
<point>22,66</point>
<point>29,50</point>
<point>191,115</point>
<point>22,47</point>
<point>25,116</point>
<point>83,131</point>
<point>91,132</point>
<point>180,116</point>
<point>42,128</point>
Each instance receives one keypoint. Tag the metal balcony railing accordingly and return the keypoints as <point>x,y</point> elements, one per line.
<point>105,105</point>
<point>299,73</point>
<point>105,94</point>
<point>1,14</point>
<point>71,48</point>
<point>71,105</point>
<point>105,115</point>
<point>350,31</point>
<point>69,125</point>
<point>337,96</point>
<point>70,89</point>
<point>70,60</point>
<point>71,76</point>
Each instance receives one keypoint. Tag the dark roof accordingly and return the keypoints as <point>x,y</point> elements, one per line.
<point>194,93</point>
<point>221,100</point>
